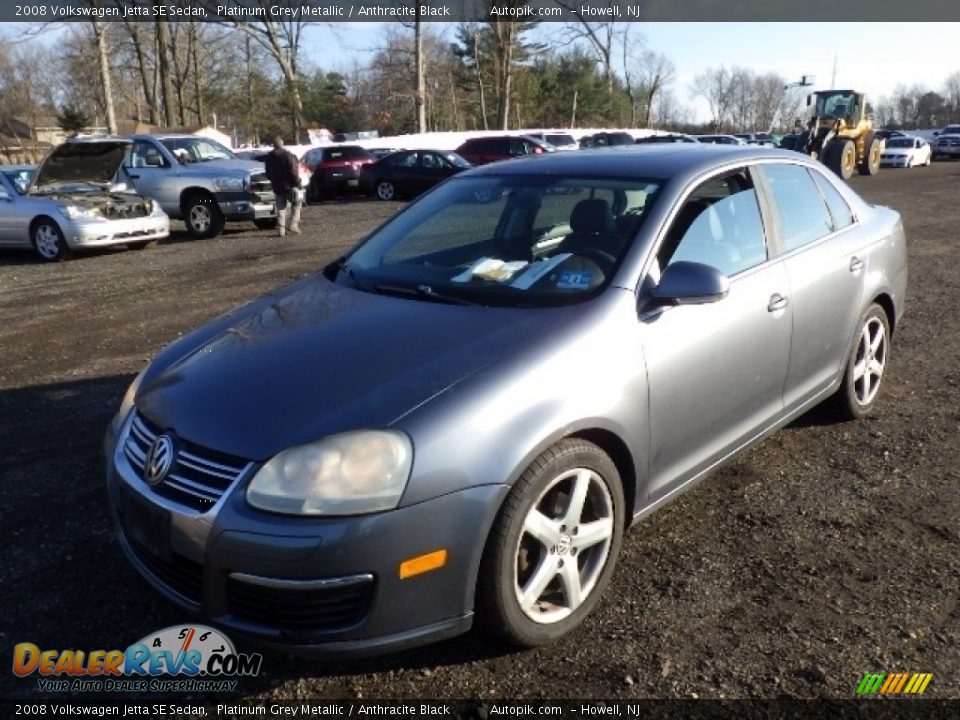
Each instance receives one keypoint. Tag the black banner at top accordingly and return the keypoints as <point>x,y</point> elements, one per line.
<point>477,11</point>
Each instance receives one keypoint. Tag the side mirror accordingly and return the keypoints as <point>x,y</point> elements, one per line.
<point>936,133</point>
<point>809,100</point>
<point>690,283</point>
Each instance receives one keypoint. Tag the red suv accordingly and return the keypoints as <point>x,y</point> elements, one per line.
<point>336,170</point>
<point>483,150</point>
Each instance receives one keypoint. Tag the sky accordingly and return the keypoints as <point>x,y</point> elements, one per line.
<point>870,57</point>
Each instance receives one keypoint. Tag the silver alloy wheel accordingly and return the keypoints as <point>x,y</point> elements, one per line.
<point>870,361</point>
<point>200,217</point>
<point>47,240</point>
<point>385,190</point>
<point>564,546</point>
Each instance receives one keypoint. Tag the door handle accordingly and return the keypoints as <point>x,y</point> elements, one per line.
<point>777,302</point>
<point>856,264</point>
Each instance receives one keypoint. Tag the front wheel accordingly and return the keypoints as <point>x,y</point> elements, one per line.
<point>554,545</point>
<point>858,392</point>
<point>841,157</point>
<point>47,240</point>
<point>202,217</point>
<point>385,190</point>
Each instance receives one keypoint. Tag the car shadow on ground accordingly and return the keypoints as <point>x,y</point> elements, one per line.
<point>60,537</point>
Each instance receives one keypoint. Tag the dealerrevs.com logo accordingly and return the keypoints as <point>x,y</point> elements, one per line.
<point>186,658</point>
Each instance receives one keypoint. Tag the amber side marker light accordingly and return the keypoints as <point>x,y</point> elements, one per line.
<point>423,563</point>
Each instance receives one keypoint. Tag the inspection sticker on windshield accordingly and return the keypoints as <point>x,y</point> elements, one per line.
<point>574,280</point>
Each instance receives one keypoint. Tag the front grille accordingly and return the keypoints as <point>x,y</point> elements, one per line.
<point>198,477</point>
<point>305,610</point>
<point>179,573</point>
<point>261,189</point>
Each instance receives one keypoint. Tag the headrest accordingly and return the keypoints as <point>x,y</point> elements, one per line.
<point>592,216</point>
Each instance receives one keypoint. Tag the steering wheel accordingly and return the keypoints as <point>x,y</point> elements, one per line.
<point>601,257</point>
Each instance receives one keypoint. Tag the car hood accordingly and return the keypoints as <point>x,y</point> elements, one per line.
<point>318,359</point>
<point>81,162</point>
<point>222,167</point>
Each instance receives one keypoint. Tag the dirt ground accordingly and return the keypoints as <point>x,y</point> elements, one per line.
<point>828,551</point>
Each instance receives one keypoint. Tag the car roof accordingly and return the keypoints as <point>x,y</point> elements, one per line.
<point>18,168</point>
<point>633,161</point>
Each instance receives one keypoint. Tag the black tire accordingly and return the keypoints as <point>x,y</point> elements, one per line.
<point>202,216</point>
<point>857,396</point>
<point>47,240</point>
<point>266,223</point>
<point>841,157</point>
<point>513,558</point>
<point>870,163</point>
<point>385,190</point>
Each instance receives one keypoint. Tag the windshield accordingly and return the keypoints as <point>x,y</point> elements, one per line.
<point>19,177</point>
<point>513,240</point>
<point>951,130</point>
<point>197,149</point>
<point>836,105</point>
<point>900,142</point>
<point>561,140</point>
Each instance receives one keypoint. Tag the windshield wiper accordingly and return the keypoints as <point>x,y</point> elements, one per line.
<point>424,292</point>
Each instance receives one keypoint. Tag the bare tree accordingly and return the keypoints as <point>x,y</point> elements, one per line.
<point>599,36</point>
<point>715,85</point>
<point>281,39</point>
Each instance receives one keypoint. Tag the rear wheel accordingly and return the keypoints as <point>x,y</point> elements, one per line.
<point>553,547</point>
<point>47,240</point>
<point>870,164</point>
<point>864,372</point>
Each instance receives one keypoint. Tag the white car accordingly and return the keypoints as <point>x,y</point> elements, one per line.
<point>905,152</point>
<point>70,202</point>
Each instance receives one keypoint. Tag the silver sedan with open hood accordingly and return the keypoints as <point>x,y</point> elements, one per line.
<point>66,203</point>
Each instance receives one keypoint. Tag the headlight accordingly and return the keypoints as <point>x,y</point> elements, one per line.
<point>228,183</point>
<point>126,405</point>
<point>348,474</point>
<point>73,212</point>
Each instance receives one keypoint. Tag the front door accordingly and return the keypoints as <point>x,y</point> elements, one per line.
<point>715,370</point>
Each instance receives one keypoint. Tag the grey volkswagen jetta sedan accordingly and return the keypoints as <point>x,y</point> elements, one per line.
<point>458,418</point>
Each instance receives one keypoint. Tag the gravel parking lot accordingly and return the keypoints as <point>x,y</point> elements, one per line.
<point>828,551</point>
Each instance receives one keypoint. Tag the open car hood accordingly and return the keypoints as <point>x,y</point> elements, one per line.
<point>82,161</point>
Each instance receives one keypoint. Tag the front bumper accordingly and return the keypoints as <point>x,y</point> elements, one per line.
<point>894,160</point>
<point>237,206</point>
<point>101,233</point>
<point>313,586</point>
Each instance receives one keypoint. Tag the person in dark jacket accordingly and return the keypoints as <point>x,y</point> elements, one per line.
<point>283,172</point>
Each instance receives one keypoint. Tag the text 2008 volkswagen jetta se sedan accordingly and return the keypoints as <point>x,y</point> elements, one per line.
<point>459,418</point>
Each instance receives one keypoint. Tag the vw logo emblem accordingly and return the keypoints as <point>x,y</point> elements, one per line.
<point>159,460</point>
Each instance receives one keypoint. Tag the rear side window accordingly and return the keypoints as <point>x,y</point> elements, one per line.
<point>839,210</point>
<point>801,209</point>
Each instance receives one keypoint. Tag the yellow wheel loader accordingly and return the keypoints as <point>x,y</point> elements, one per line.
<point>840,135</point>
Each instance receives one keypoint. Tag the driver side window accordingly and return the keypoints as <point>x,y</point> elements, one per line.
<point>719,225</point>
<point>144,154</point>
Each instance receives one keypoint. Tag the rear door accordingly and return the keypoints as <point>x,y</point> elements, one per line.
<point>715,370</point>
<point>823,253</point>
